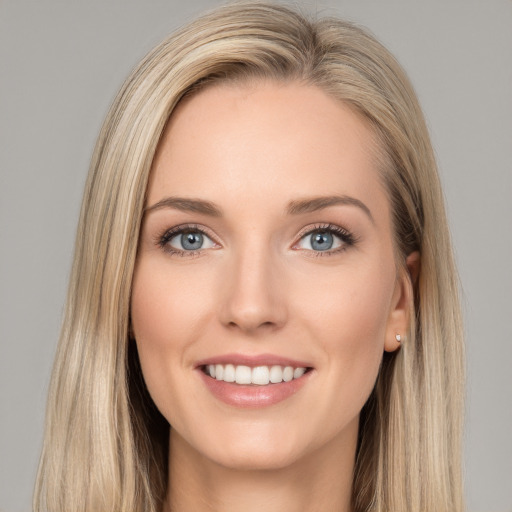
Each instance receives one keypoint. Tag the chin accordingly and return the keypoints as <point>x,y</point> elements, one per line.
<point>257,450</point>
<point>257,459</point>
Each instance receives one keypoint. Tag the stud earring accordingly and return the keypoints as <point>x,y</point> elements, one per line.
<point>398,338</point>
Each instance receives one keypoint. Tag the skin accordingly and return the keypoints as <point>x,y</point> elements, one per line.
<point>258,287</point>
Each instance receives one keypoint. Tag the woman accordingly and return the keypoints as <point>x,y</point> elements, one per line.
<point>263,309</point>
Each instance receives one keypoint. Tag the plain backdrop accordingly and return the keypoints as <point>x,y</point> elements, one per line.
<point>61,62</point>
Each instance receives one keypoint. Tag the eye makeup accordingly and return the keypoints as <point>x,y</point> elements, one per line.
<point>321,234</point>
<point>325,239</point>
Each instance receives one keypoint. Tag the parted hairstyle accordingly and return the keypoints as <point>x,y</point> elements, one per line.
<point>106,444</point>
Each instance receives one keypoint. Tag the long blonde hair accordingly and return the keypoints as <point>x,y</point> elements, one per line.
<point>105,446</point>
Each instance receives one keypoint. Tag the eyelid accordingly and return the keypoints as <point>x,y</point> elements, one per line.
<point>322,226</point>
<point>164,237</point>
<point>346,237</point>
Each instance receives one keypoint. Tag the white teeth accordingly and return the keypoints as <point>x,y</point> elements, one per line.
<point>229,373</point>
<point>259,375</point>
<point>298,372</point>
<point>276,374</point>
<point>288,374</point>
<point>243,375</point>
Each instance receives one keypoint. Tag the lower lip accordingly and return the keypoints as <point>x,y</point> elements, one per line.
<point>246,396</point>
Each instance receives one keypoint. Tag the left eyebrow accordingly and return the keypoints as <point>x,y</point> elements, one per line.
<point>313,204</point>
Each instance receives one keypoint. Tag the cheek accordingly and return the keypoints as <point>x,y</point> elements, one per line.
<point>170,309</point>
<point>165,306</point>
<point>347,314</point>
<point>350,304</point>
<point>155,311</point>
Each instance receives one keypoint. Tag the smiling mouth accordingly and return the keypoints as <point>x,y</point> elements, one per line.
<point>256,376</point>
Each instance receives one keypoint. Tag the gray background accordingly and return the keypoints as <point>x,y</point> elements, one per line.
<point>61,63</point>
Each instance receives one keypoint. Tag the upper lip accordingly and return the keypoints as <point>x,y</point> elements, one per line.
<point>253,360</point>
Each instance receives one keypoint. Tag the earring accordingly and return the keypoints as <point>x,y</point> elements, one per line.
<point>398,338</point>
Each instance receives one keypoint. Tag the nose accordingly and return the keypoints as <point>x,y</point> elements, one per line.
<point>254,299</point>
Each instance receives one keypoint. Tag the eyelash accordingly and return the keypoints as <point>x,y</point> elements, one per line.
<point>345,236</point>
<point>164,239</point>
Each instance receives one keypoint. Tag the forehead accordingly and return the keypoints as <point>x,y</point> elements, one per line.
<point>266,143</point>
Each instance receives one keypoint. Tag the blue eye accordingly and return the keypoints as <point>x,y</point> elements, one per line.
<point>321,241</point>
<point>189,241</point>
<point>185,240</point>
<point>329,239</point>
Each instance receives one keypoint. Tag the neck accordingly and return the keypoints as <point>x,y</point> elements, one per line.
<point>319,481</point>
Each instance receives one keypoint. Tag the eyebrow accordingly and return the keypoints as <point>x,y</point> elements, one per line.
<point>187,205</point>
<point>296,207</point>
<point>314,204</point>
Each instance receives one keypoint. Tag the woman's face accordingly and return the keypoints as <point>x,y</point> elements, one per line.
<point>266,254</point>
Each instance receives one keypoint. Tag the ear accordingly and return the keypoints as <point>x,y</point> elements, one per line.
<point>402,302</point>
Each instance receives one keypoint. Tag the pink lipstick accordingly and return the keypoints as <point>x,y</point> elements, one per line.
<point>253,381</point>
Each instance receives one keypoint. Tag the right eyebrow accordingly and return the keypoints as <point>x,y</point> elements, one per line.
<point>186,205</point>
